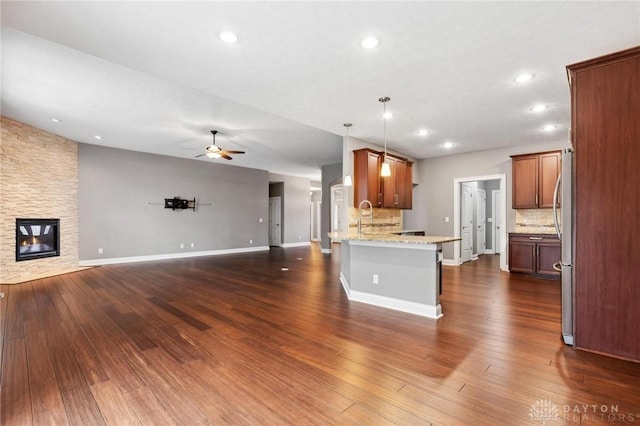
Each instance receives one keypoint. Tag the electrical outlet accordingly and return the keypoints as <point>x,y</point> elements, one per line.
<point>260,219</point>
<point>446,219</point>
<point>1,295</point>
<point>100,250</point>
<point>181,245</point>
<point>193,245</point>
<point>250,241</point>
<point>299,238</point>
<point>376,279</point>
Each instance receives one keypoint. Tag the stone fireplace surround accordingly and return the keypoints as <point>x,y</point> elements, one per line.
<point>39,178</point>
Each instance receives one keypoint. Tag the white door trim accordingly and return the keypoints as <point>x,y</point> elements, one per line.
<point>481,225</point>
<point>496,223</point>
<point>456,215</point>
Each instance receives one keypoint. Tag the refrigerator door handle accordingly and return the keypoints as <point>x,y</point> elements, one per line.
<point>555,206</point>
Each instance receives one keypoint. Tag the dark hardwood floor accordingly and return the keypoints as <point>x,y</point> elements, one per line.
<point>236,340</point>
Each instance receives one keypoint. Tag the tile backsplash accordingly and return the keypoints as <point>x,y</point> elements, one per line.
<point>384,220</point>
<point>535,221</point>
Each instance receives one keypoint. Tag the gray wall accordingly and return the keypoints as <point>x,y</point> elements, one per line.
<point>433,198</point>
<point>296,221</point>
<point>331,174</point>
<point>116,187</point>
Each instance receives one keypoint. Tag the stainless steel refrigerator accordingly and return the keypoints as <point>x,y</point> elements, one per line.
<point>565,231</point>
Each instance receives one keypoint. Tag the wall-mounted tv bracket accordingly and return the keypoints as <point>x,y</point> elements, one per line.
<point>177,203</point>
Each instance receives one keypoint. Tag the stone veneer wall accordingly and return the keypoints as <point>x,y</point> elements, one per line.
<point>39,179</point>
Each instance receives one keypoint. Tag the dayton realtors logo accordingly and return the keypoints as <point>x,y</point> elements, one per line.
<point>545,411</point>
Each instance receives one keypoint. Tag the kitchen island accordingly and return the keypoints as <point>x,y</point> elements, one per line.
<point>401,272</point>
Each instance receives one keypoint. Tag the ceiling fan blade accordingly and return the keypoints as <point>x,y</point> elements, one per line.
<point>225,156</point>
<point>233,152</point>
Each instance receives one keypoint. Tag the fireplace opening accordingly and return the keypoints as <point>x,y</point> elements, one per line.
<point>37,238</point>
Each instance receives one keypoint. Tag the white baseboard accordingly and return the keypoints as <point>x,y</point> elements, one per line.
<point>450,262</point>
<point>325,251</point>
<point>421,309</point>
<point>428,311</point>
<point>489,251</point>
<point>301,244</point>
<point>147,258</point>
<point>345,285</point>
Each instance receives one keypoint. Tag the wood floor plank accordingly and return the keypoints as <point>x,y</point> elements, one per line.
<point>233,339</point>
<point>15,397</point>
<point>113,405</point>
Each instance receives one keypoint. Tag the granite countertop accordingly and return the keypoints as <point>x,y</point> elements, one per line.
<point>392,238</point>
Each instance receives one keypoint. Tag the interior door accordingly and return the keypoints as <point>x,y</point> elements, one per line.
<point>497,220</point>
<point>466,221</point>
<point>275,219</point>
<point>481,199</point>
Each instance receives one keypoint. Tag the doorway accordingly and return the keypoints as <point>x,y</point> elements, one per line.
<point>466,221</point>
<point>275,221</point>
<point>337,208</point>
<point>481,222</point>
<point>486,225</point>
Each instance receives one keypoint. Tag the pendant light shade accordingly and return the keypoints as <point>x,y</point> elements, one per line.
<point>385,171</point>
<point>347,179</point>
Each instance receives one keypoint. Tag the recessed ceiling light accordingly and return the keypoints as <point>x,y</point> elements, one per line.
<point>228,37</point>
<point>524,77</point>
<point>447,145</point>
<point>423,132</point>
<point>387,115</point>
<point>538,108</point>
<point>56,120</point>
<point>549,127</point>
<point>369,42</point>
<point>98,137</point>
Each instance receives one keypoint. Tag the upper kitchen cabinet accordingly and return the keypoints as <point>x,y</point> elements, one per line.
<point>397,188</point>
<point>366,177</point>
<point>534,179</point>
<point>395,191</point>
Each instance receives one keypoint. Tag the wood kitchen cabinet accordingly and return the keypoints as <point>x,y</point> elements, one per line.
<point>605,111</point>
<point>534,179</point>
<point>534,254</point>
<point>395,191</point>
<point>366,177</point>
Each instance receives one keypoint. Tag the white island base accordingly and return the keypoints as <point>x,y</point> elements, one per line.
<point>402,275</point>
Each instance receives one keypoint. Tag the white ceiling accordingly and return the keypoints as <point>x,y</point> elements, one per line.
<point>154,77</point>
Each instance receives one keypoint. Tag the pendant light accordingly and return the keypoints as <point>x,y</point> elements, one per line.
<point>385,171</point>
<point>347,178</point>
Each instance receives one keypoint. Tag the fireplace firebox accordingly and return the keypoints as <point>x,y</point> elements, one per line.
<point>37,238</point>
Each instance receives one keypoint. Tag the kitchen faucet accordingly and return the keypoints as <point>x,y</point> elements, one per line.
<point>364,213</point>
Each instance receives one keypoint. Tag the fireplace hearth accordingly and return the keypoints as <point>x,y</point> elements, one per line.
<point>37,238</point>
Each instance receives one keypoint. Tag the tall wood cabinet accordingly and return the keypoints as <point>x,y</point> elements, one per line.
<point>534,179</point>
<point>605,121</point>
<point>395,191</point>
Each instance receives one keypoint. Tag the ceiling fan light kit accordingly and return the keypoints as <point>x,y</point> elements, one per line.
<point>214,151</point>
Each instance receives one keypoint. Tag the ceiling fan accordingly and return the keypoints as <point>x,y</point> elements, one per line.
<point>214,151</point>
